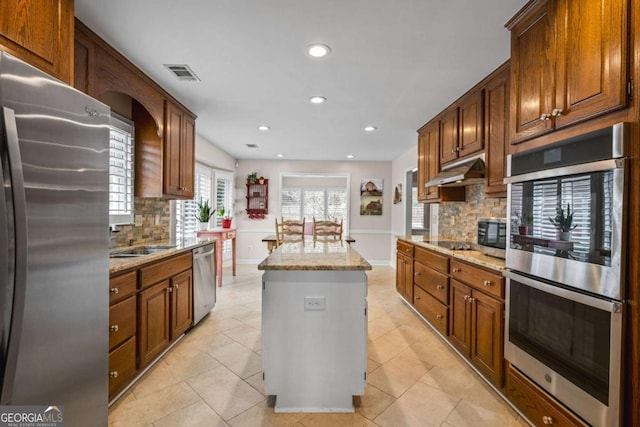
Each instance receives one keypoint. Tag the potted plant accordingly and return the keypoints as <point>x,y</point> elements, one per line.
<point>522,221</point>
<point>252,177</point>
<point>563,222</point>
<point>204,214</point>
<point>226,220</point>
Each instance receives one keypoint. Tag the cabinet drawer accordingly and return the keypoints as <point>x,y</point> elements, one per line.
<point>479,278</point>
<point>405,248</point>
<point>164,269</point>
<point>433,310</point>
<point>122,286</point>
<point>122,366</point>
<point>122,321</point>
<point>536,404</point>
<point>432,281</point>
<point>432,260</point>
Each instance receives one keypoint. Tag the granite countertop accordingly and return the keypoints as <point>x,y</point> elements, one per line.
<point>472,256</point>
<point>319,256</point>
<point>120,264</point>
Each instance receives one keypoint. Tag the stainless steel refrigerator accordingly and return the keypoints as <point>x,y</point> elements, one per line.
<point>54,261</point>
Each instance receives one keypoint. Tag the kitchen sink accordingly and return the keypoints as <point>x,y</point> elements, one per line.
<point>139,251</point>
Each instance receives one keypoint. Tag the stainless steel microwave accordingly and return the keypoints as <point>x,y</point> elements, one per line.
<point>492,236</point>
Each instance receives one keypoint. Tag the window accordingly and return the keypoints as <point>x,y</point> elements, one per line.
<point>121,171</point>
<point>186,221</point>
<point>417,211</point>
<point>314,202</point>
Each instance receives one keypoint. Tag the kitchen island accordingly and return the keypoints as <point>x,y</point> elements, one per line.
<point>314,326</point>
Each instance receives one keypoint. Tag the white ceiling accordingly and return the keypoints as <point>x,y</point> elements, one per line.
<point>394,65</point>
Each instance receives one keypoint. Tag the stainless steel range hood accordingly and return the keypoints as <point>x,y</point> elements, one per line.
<point>462,173</point>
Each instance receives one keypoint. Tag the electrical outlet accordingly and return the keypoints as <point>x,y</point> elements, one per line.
<point>138,221</point>
<point>314,303</point>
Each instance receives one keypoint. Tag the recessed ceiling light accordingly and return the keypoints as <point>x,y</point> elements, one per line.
<point>317,99</point>
<point>318,50</point>
<point>263,128</point>
<point>370,128</point>
<point>350,156</point>
<point>280,156</point>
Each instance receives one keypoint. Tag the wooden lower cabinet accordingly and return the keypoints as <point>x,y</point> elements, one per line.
<point>476,329</point>
<point>154,309</point>
<point>122,366</point>
<point>181,303</point>
<point>536,404</point>
<point>433,310</point>
<point>404,276</point>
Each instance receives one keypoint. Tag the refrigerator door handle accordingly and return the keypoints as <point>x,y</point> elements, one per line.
<point>20,221</point>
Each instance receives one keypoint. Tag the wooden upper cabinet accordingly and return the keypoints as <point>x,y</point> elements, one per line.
<point>496,117</point>
<point>179,145</point>
<point>423,148</point>
<point>471,133</point>
<point>449,135</point>
<point>568,63</point>
<point>433,159</point>
<point>40,33</point>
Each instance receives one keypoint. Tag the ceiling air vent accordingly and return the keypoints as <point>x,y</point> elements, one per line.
<point>183,72</point>
<point>252,145</point>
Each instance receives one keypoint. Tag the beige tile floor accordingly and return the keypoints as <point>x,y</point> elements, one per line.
<point>213,377</point>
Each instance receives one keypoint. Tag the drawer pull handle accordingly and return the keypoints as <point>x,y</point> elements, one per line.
<point>439,316</point>
<point>113,374</point>
<point>114,328</point>
<point>487,283</point>
<point>417,298</point>
<point>547,420</point>
<point>439,287</point>
<point>115,291</point>
<point>418,274</point>
<point>456,270</point>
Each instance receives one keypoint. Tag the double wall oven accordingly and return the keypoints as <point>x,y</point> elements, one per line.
<point>565,277</point>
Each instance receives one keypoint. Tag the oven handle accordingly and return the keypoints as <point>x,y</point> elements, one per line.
<point>610,306</point>
<point>601,165</point>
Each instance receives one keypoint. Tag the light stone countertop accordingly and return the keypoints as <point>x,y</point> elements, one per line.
<point>309,256</point>
<point>121,264</point>
<point>472,256</point>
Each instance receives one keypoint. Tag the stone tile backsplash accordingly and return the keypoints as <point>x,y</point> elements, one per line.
<point>150,209</point>
<point>459,220</point>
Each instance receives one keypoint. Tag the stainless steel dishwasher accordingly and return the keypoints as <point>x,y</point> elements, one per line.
<point>204,281</point>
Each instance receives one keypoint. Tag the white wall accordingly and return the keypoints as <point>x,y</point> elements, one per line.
<point>399,168</point>
<point>372,233</point>
<point>211,155</point>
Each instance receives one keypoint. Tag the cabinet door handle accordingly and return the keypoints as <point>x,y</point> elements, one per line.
<point>547,420</point>
<point>545,116</point>
<point>170,289</point>
<point>176,286</point>
<point>418,274</point>
<point>115,291</point>
<point>556,112</point>
<point>439,287</point>
<point>471,300</point>
<point>466,297</point>
<point>114,328</point>
<point>439,316</point>
<point>456,270</point>
<point>113,374</point>
<point>487,283</point>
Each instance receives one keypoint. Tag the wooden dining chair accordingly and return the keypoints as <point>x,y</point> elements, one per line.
<point>327,231</point>
<point>289,231</point>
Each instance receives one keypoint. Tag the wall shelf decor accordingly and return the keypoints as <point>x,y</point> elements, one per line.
<point>257,198</point>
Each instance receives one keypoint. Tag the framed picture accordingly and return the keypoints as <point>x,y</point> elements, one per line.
<point>397,194</point>
<point>371,196</point>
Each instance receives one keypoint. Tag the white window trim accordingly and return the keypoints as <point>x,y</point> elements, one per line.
<point>346,176</point>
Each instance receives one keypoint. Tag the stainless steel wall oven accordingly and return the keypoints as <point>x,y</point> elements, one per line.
<point>565,277</point>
